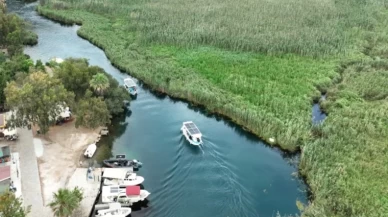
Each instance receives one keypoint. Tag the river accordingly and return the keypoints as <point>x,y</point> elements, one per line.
<point>233,174</point>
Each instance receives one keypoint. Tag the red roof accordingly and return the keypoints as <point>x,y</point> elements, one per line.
<point>132,190</point>
<point>5,173</point>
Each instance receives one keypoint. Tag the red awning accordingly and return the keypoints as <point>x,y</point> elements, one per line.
<point>5,173</point>
<point>132,190</point>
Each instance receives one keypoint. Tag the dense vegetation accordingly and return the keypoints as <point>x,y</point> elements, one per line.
<point>36,98</point>
<point>39,97</point>
<point>261,63</point>
<point>89,82</point>
<point>10,206</point>
<point>13,34</point>
<point>346,165</point>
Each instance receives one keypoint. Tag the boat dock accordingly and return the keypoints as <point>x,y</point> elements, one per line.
<point>90,183</point>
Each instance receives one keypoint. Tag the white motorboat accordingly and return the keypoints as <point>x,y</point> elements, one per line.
<point>130,85</point>
<point>114,210</point>
<point>192,133</point>
<point>129,178</point>
<point>90,150</point>
<point>128,195</point>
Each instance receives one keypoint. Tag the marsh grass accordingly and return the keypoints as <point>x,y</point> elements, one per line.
<point>346,166</point>
<point>308,27</point>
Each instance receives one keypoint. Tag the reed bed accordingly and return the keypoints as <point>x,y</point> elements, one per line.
<point>261,63</point>
<point>346,165</point>
<point>308,27</point>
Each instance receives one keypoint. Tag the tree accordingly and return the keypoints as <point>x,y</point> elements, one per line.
<point>14,33</point>
<point>10,206</point>
<point>66,202</point>
<point>37,99</point>
<point>75,75</point>
<point>92,112</point>
<point>115,97</point>
<point>99,83</point>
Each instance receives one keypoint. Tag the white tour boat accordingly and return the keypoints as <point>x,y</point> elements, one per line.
<point>114,210</point>
<point>130,85</point>
<point>122,177</point>
<point>192,133</point>
<point>128,195</point>
<point>90,150</point>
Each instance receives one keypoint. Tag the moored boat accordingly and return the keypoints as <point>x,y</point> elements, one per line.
<point>121,177</point>
<point>117,163</point>
<point>130,85</point>
<point>129,195</point>
<point>191,133</point>
<point>89,152</point>
<point>114,210</point>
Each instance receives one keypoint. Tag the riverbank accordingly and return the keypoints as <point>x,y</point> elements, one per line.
<point>59,153</point>
<point>329,159</point>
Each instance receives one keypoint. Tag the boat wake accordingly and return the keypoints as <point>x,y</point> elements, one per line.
<point>230,187</point>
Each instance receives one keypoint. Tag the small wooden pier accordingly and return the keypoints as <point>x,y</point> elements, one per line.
<point>90,183</point>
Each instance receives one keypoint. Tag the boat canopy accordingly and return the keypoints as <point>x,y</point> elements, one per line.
<point>115,173</point>
<point>113,190</point>
<point>129,82</point>
<point>132,190</point>
<point>192,128</point>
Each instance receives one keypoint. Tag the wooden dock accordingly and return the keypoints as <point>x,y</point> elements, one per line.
<point>90,185</point>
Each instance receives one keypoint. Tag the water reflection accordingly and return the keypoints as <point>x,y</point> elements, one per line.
<point>318,116</point>
<point>116,129</point>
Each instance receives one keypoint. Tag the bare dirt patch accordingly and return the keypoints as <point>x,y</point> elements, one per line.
<point>62,148</point>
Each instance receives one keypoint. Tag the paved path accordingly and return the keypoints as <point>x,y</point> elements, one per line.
<point>31,189</point>
<point>15,174</point>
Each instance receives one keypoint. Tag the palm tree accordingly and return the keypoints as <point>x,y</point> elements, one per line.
<point>66,201</point>
<point>99,83</point>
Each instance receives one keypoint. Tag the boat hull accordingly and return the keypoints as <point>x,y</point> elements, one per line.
<point>121,164</point>
<point>120,212</point>
<point>90,150</point>
<point>138,181</point>
<point>127,199</point>
<point>192,142</point>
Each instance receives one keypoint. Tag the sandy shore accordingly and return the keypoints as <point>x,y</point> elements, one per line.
<point>59,153</point>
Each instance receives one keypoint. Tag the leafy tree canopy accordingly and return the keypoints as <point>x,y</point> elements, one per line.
<point>100,83</point>
<point>115,96</point>
<point>66,201</point>
<point>14,33</point>
<point>10,206</point>
<point>75,75</point>
<point>92,112</point>
<point>38,99</point>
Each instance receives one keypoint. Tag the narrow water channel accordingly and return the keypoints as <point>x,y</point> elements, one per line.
<point>232,175</point>
<point>318,116</point>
